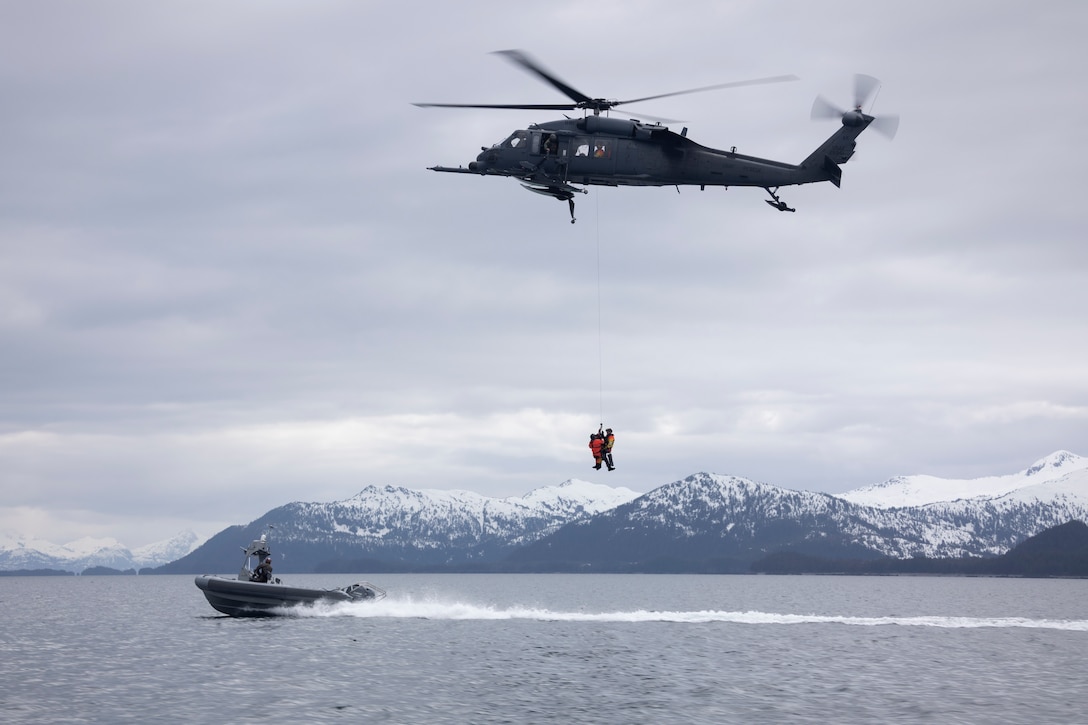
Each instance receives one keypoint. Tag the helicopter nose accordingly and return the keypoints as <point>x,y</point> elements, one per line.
<point>473,166</point>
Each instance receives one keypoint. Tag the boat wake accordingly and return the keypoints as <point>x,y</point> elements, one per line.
<point>452,610</point>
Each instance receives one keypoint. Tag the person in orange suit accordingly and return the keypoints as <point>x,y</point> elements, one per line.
<point>596,445</point>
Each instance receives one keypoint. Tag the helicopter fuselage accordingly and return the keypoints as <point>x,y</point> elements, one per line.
<point>613,152</point>
<point>551,158</point>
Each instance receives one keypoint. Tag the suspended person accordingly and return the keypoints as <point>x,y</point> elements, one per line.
<point>609,441</point>
<point>596,445</point>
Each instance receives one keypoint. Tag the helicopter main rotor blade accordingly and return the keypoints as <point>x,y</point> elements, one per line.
<point>509,106</point>
<point>581,100</point>
<point>521,58</point>
<point>719,86</point>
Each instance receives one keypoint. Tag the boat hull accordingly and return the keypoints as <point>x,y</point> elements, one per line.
<point>238,598</point>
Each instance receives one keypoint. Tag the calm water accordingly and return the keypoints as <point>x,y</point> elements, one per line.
<point>553,648</point>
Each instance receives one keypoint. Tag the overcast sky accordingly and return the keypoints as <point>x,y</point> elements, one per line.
<point>228,281</point>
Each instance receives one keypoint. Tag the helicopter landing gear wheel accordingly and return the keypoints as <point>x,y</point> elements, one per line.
<point>777,203</point>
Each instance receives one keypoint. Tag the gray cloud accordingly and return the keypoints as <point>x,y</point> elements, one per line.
<point>228,280</point>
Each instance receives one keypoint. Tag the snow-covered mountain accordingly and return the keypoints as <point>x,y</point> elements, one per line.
<point>726,522</point>
<point>75,556</point>
<point>988,524</point>
<point>431,519</point>
<point>395,526</point>
<point>160,552</point>
<point>922,490</point>
<point>703,517</point>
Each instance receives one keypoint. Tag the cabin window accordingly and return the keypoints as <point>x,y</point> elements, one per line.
<point>582,149</point>
<point>602,150</point>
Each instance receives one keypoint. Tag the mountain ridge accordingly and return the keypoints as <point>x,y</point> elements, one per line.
<point>704,516</point>
<point>715,523</point>
<point>21,553</point>
<point>409,528</point>
<point>919,490</point>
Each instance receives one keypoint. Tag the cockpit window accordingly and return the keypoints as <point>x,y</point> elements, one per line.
<point>518,139</point>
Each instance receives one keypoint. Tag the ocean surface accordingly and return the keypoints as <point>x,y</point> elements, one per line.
<point>557,648</point>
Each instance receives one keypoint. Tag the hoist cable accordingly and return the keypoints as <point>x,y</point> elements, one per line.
<point>600,326</point>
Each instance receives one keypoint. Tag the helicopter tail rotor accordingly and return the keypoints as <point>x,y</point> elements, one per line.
<point>865,88</point>
<point>886,126</point>
<point>823,109</point>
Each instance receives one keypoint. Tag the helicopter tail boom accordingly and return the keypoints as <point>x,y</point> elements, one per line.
<point>824,163</point>
<point>833,171</point>
<point>838,149</point>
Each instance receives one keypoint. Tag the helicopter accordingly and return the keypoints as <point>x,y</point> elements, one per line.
<point>561,158</point>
